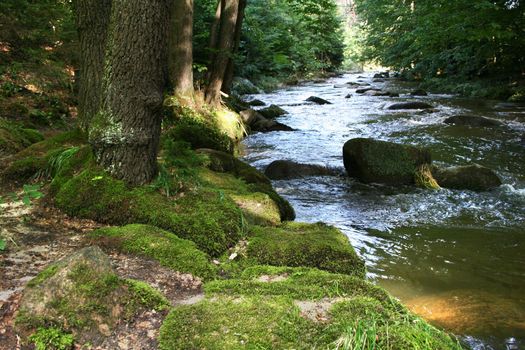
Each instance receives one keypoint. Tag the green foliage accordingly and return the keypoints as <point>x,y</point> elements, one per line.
<point>52,339</point>
<point>442,38</point>
<point>3,244</point>
<point>169,250</point>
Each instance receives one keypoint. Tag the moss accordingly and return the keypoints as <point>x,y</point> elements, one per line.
<point>143,295</point>
<point>309,245</point>
<point>424,179</point>
<point>204,216</point>
<point>300,284</point>
<point>243,323</point>
<point>256,181</point>
<point>52,338</point>
<point>43,275</point>
<point>258,208</point>
<point>166,248</point>
<point>14,137</point>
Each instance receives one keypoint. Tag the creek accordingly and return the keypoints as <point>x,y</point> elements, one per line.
<point>457,258</point>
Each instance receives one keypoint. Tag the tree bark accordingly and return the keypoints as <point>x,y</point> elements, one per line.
<point>92,21</point>
<point>181,48</point>
<point>230,69</point>
<point>125,131</point>
<point>225,46</point>
<point>214,32</point>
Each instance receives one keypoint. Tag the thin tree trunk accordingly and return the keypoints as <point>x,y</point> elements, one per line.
<point>125,132</point>
<point>181,48</point>
<point>92,21</point>
<point>230,70</point>
<point>214,32</point>
<point>225,46</point>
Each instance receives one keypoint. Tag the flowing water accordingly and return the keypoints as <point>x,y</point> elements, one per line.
<point>457,258</point>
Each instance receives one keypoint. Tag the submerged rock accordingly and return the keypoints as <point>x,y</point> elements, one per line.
<point>376,161</point>
<point>380,93</point>
<point>469,120</point>
<point>318,100</point>
<point>286,169</point>
<point>363,90</point>
<point>410,105</point>
<point>348,96</point>
<point>272,112</point>
<point>419,92</point>
<point>468,177</point>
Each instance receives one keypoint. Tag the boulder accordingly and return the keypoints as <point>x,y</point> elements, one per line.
<point>82,295</point>
<point>363,90</point>
<point>318,100</point>
<point>470,120</point>
<point>243,86</point>
<point>410,105</point>
<point>250,116</point>
<point>376,161</point>
<point>348,96</point>
<point>272,112</point>
<point>419,92</point>
<point>287,169</point>
<point>266,125</point>
<point>468,177</point>
<point>256,103</point>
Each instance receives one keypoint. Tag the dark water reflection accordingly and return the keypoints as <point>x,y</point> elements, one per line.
<point>455,257</point>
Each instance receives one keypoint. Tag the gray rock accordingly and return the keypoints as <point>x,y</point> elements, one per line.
<point>256,103</point>
<point>469,120</point>
<point>468,177</point>
<point>384,162</point>
<point>318,100</point>
<point>250,116</point>
<point>410,105</point>
<point>286,170</point>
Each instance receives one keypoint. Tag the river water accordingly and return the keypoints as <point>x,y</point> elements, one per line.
<point>457,258</point>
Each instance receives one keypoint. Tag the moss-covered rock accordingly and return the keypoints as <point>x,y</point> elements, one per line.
<point>287,169</point>
<point>474,121</point>
<point>166,248</point>
<point>272,112</point>
<point>297,308</point>
<point>299,244</point>
<point>376,161</point>
<point>258,208</point>
<point>257,182</point>
<point>204,216</point>
<point>472,177</point>
<point>82,295</point>
<point>14,137</point>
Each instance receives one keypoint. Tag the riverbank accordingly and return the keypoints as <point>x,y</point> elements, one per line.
<point>216,234</point>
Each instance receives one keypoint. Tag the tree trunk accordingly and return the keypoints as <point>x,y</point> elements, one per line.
<point>181,48</point>
<point>230,69</point>
<point>225,47</point>
<point>92,21</point>
<point>125,132</point>
<point>214,32</point>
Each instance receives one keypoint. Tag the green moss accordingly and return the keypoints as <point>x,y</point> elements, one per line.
<point>243,323</point>
<point>309,245</point>
<point>43,275</point>
<point>169,250</point>
<point>206,217</point>
<point>256,181</point>
<point>143,295</point>
<point>52,338</point>
<point>300,284</point>
<point>13,137</point>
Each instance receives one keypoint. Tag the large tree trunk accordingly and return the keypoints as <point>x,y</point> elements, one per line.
<point>92,21</point>
<point>214,32</point>
<point>230,69</point>
<point>225,48</point>
<point>125,132</point>
<point>181,48</point>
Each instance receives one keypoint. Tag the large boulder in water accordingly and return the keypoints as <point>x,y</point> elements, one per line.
<point>272,112</point>
<point>470,120</point>
<point>318,100</point>
<point>410,105</point>
<point>390,163</point>
<point>287,169</point>
<point>468,177</point>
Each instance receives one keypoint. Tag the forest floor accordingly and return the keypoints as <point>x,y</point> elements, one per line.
<point>39,235</point>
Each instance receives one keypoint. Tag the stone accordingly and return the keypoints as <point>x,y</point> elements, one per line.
<point>374,161</point>
<point>419,92</point>
<point>287,169</point>
<point>256,103</point>
<point>363,90</point>
<point>469,120</point>
<point>472,177</point>
<point>318,100</point>
<point>410,105</point>
<point>272,112</point>
<point>243,86</point>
